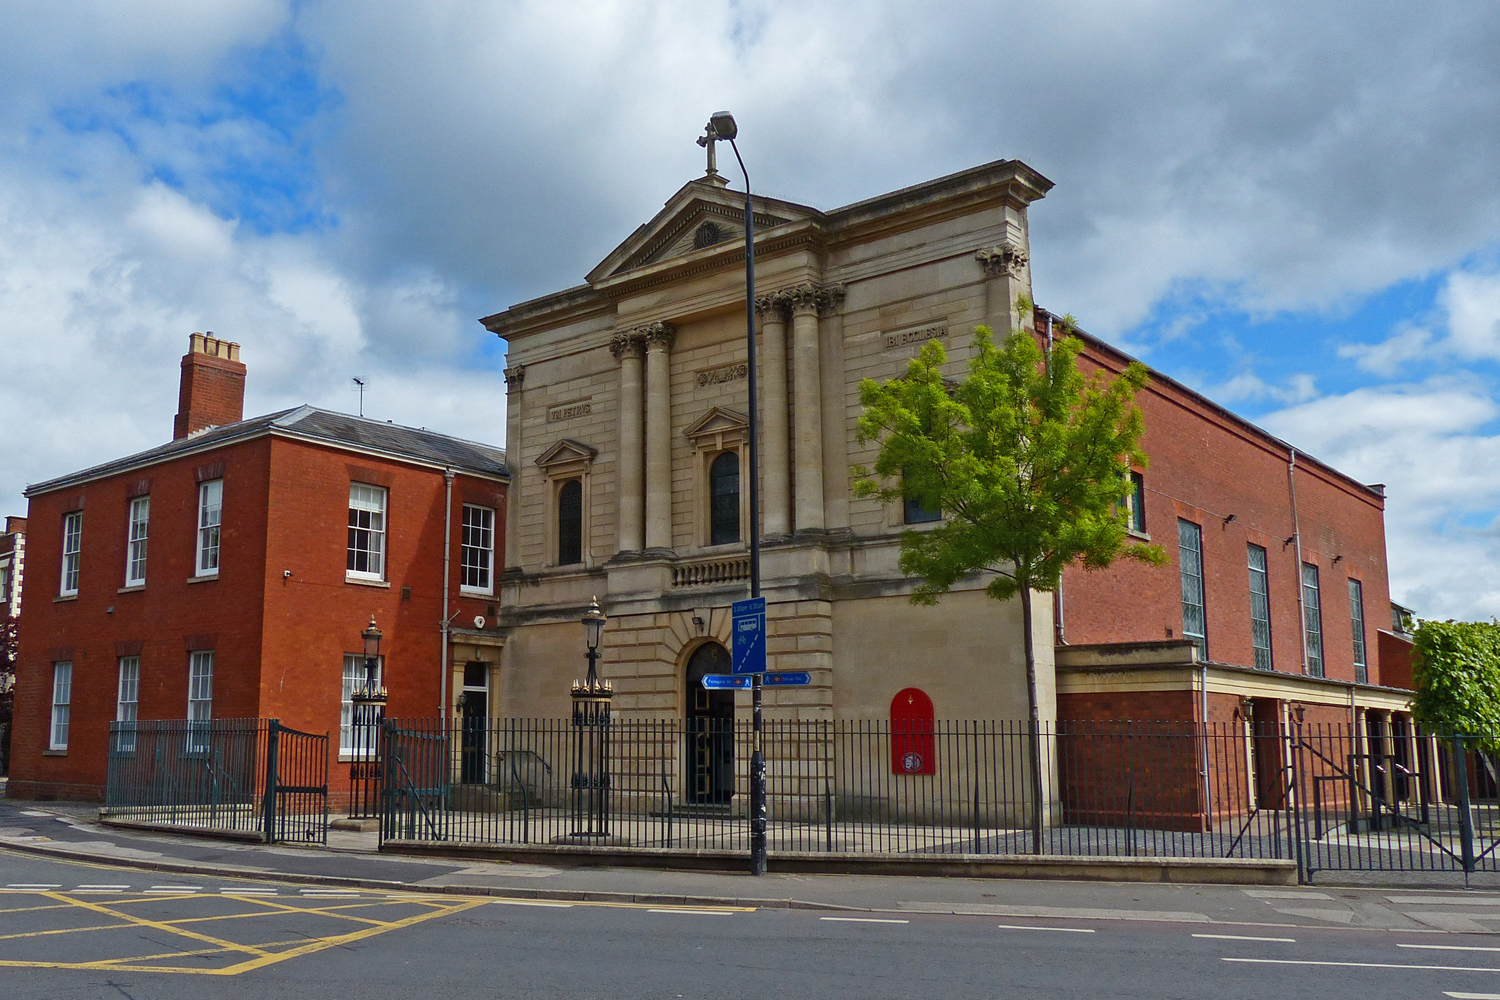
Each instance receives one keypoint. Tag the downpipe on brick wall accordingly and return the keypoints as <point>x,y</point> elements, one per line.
<point>447,618</point>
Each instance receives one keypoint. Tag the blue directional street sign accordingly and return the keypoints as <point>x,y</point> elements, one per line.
<point>749,630</point>
<point>792,678</point>
<point>719,682</point>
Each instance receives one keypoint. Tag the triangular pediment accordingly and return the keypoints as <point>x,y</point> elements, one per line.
<point>567,450</point>
<point>717,421</point>
<point>700,218</point>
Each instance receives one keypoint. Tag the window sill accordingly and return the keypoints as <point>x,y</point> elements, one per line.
<point>1143,536</point>
<point>473,592</point>
<point>131,588</point>
<point>64,598</point>
<point>55,753</point>
<point>205,578</point>
<point>360,581</point>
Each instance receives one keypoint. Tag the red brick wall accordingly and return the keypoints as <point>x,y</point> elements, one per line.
<point>160,617</point>
<point>211,394</point>
<point>1204,467</point>
<point>280,641</point>
<point>1395,661</point>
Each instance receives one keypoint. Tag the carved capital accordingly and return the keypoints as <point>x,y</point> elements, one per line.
<point>659,335</point>
<point>830,297</point>
<point>1003,259</point>
<point>629,344</point>
<point>514,376</point>
<point>772,307</point>
<point>800,299</point>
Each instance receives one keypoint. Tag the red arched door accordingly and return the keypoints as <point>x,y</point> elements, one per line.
<point>912,743</point>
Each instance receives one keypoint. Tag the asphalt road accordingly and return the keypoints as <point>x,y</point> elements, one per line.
<point>70,929</point>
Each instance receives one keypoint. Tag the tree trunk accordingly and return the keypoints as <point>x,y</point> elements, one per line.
<point>1034,728</point>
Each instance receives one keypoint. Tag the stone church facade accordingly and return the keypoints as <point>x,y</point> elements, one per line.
<point>627,444</point>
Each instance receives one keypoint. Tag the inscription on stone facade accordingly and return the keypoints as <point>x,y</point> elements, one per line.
<point>905,338</point>
<point>723,373</point>
<point>567,411</point>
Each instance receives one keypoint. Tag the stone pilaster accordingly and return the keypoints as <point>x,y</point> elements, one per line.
<point>515,376</point>
<point>627,347</point>
<point>806,303</point>
<point>658,337</point>
<point>1007,277</point>
<point>775,450</point>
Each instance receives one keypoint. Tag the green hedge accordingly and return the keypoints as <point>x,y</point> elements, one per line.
<point>1456,669</point>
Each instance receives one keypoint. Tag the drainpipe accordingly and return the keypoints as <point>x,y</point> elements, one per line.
<point>1291,483</point>
<point>1058,625</point>
<point>443,629</point>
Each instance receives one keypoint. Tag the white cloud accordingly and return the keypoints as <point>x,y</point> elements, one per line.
<point>1409,343</point>
<point>1249,387</point>
<point>1472,302</point>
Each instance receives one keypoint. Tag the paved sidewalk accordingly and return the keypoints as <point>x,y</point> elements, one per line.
<point>69,830</point>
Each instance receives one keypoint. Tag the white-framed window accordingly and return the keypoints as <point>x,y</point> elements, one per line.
<point>127,698</point>
<point>352,739</point>
<point>62,704</point>
<point>477,553</point>
<point>200,707</point>
<point>135,545</point>
<point>366,532</point>
<point>72,551</point>
<point>210,518</point>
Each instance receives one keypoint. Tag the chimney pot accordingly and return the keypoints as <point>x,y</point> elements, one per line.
<point>212,391</point>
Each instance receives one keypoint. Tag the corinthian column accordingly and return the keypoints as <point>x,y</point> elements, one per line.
<point>1005,271</point>
<point>776,500</point>
<point>659,338</point>
<point>515,375</point>
<point>808,413</point>
<point>632,504</point>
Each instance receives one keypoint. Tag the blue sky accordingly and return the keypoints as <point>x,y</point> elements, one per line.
<point>1291,210</point>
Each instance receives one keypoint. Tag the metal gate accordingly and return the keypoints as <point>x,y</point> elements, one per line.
<point>237,777</point>
<point>415,783</point>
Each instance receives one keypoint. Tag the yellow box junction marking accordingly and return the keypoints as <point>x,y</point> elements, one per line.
<point>252,955</point>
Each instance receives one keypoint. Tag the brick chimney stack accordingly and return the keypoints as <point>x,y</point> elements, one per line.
<point>213,385</point>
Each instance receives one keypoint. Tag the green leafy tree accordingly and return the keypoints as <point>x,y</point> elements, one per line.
<point>1027,458</point>
<point>1456,671</point>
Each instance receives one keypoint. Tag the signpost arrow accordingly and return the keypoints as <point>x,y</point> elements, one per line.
<point>720,682</point>
<point>794,678</point>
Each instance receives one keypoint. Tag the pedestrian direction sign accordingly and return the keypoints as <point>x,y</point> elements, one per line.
<point>721,682</point>
<point>792,678</point>
<point>749,630</point>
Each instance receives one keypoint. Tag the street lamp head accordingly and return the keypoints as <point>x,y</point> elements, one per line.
<point>723,126</point>
<point>372,636</point>
<point>593,624</point>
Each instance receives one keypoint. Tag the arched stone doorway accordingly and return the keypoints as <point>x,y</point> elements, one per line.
<point>709,729</point>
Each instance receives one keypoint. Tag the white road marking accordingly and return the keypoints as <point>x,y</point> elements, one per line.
<point>1445,900</point>
<point>1245,937</point>
<point>1446,947</point>
<point>248,892</point>
<point>1057,912</point>
<point>102,885</point>
<point>864,920</point>
<point>1362,965</point>
<point>175,888</point>
<point>697,913</point>
<point>1064,930</point>
<point>34,812</point>
<point>520,902</point>
<point>1472,996</point>
<point>35,886</point>
<point>1284,894</point>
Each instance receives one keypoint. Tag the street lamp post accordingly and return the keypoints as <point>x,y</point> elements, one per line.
<point>367,706</point>
<point>591,718</point>
<point>721,126</point>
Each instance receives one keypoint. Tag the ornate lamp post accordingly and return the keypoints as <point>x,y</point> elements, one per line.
<point>367,703</point>
<point>591,716</point>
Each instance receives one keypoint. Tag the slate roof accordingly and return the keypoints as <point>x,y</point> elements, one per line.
<point>313,424</point>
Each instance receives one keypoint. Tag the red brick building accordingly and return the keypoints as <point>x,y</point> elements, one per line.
<point>1274,601</point>
<point>229,574</point>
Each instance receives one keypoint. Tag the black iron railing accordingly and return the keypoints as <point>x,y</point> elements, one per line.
<point>227,776</point>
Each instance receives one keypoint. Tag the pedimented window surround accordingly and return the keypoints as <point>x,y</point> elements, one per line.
<point>717,431</point>
<point>563,462</point>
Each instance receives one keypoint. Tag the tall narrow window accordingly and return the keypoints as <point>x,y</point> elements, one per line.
<point>1357,621</point>
<point>1190,553</point>
<point>477,553</point>
<point>200,707</point>
<point>1312,619</point>
<point>127,698</point>
<point>350,740</point>
<point>366,532</point>
<point>210,515</point>
<point>724,499</point>
<point>915,513</point>
<point>1137,502</point>
<point>1260,609</point>
<point>135,545</point>
<point>72,550</point>
<point>62,705</point>
<point>570,523</point>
